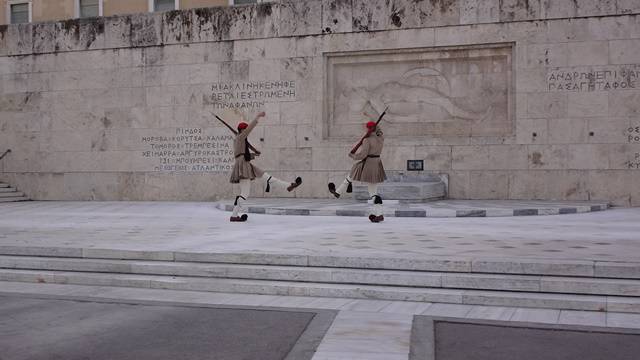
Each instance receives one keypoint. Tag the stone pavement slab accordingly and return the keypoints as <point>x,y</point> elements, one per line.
<point>436,209</point>
<point>49,328</point>
<point>386,331</point>
<point>163,230</point>
<point>461,339</point>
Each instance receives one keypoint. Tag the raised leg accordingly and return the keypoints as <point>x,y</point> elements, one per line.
<point>346,184</point>
<point>272,180</point>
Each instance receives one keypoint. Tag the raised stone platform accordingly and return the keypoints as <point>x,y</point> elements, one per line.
<point>577,262</point>
<point>407,188</point>
<point>436,209</point>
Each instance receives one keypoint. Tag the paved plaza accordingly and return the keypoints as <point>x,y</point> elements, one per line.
<point>363,328</point>
<point>612,235</point>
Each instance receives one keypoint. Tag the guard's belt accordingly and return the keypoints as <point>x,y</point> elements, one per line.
<point>373,156</point>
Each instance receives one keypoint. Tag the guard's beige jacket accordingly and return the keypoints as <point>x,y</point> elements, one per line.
<point>243,169</point>
<point>369,168</point>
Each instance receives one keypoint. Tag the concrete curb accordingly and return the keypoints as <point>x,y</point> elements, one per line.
<point>414,212</point>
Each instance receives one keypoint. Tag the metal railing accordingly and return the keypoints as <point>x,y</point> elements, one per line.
<point>5,154</point>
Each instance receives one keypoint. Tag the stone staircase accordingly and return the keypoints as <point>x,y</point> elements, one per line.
<point>407,188</point>
<point>575,285</point>
<point>10,194</point>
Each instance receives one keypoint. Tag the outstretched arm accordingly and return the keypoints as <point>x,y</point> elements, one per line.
<point>245,133</point>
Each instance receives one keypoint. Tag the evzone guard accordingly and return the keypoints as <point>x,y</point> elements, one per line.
<point>368,169</point>
<point>244,171</point>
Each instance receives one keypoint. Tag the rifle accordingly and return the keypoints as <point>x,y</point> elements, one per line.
<point>235,132</point>
<point>357,146</point>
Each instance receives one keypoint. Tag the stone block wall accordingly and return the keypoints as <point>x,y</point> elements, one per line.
<point>534,99</point>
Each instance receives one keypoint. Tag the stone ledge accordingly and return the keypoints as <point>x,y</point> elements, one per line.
<point>268,287</point>
<point>334,275</point>
<point>280,18</point>
<point>579,269</point>
<point>405,192</point>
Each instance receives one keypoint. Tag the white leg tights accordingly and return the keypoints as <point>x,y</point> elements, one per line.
<point>245,188</point>
<point>376,209</point>
<point>274,181</point>
<point>343,187</point>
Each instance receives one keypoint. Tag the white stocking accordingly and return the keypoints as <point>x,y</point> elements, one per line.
<point>376,209</point>
<point>341,189</point>
<point>275,181</point>
<point>245,189</point>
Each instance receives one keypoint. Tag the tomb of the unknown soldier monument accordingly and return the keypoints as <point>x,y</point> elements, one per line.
<point>320,179</point>
<point>528,100</point>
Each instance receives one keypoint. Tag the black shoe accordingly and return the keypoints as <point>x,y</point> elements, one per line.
<point>332,189</point>
<point>380,218</point>
<point>295,184</point>
<point>373,218</point>
<point>242,218</point>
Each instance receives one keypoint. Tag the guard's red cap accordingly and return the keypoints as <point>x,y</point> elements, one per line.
<point>371,125</point>
<point>243,125</point>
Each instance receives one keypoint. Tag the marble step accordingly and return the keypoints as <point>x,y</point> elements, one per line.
<point>3,185</point>
<point>13,199</point>
<point>454,264</point>
<point>404,191</point>
<point>423,279</point>
<point>11,194</point>
<point>289,288</point>
<point>7,189</point>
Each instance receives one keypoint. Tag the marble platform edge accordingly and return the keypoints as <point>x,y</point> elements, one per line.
<point>599,303</point>
<point>351,307</point>
<point>578,268</point>
<point>420,213</point>
<point>405,278</point>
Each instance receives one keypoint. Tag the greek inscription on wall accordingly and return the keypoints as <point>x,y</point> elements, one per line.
<point>596,78</point>
<point>190,150</point>
<point>633,134</point>
<point>250,95</point>
<point>634,163</point>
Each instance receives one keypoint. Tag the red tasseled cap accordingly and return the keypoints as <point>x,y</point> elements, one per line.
<point>371,125</point>
<point>242,125</point>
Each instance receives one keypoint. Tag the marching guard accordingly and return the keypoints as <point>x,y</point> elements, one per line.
<point>244,171</point>
<point>368,169</point>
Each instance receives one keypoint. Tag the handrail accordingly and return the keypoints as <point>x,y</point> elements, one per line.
<point>5,153</point>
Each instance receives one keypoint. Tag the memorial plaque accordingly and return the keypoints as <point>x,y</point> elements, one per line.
<point>462,91</point>
<point>189,150</point>
<point>594,78</point>
<point>250,95</point>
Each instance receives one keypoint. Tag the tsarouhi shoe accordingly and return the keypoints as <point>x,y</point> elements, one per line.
<point>332,189</point>
<point>295,184</point>
<point>380,218</point>
<point>373,218</point>
<point>242,218</point>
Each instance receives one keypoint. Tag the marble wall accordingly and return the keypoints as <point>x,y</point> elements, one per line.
<point>512,99</point>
